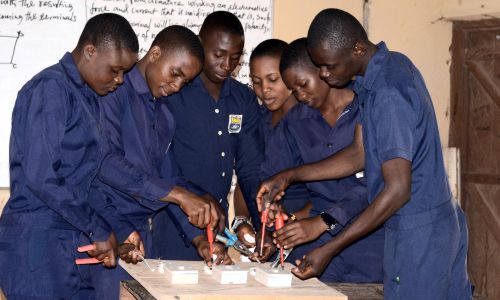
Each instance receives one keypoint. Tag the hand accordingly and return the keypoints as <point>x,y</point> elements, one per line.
<point>299,232</point>
<point>200,211</point>
<point>203,247</point>
<point>220,212</point>
<point>274,186</point>
<point>246,235</point>
<point>274,210</point>
<point>132,256</point>
<point>268,248</point>
<point>106,251</point>
<point>313,263</point>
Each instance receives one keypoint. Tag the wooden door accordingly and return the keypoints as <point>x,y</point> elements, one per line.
<point>475,129</point>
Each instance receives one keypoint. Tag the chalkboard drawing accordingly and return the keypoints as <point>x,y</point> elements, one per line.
<point>8,45</point>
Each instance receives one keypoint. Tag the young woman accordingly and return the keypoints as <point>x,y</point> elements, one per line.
<point>277,101</point>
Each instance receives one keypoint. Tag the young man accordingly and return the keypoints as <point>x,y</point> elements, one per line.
<point>217,121</point>
<point>140,127</point>
<point>55,151</point>
<point>324,125</point>
<point>398,144</point>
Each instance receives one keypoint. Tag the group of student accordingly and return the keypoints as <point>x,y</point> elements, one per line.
<point>107,150</point>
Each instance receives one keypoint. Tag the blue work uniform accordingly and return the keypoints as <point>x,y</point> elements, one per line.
<point>426,240</point>
<point>140,129</point>
<point>54,155</point>
<point>344,199</point>
<point>274,147</point>
<point>212,138</point>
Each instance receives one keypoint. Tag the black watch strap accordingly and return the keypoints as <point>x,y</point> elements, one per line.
<point>330,221</point>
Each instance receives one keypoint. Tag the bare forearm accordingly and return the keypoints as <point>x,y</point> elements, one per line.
<point>177,195</point>
<point>384,206</point>
<point>396,192</point>
<point>342,164</point>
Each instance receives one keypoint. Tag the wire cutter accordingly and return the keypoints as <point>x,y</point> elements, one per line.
<point>231,240</point>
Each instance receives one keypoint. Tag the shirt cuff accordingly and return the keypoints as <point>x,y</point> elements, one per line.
<point>99,230</point>
<point>192,232</point>
<point>123,230</point>
<point>396,153</point>
<point>156,188</point>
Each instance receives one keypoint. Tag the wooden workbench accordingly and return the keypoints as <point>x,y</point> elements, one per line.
<point>207,288</point>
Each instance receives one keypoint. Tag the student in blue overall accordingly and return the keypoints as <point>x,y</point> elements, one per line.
<point>54,154</point>
<point>139,125</point>
<point>425,250</point>
<point>319,127</point>
<point>277,101</point>
<point>217,131</point>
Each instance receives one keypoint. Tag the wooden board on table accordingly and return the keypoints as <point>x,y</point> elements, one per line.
<point>208,288</point>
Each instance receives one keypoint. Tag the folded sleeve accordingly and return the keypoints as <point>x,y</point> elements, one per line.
<point>394,118</point>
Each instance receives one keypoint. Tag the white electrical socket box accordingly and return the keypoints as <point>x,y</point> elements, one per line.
<point>273,277</point>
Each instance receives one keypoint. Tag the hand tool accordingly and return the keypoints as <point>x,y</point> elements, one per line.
<point>122,249</point>
<point>210,237</point>
<point>279,223</point>
<point>263,218</point>
<point>231,240</point>
<point>277,260</point>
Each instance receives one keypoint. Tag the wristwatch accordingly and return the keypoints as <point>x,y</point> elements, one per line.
<point>330,221</point>
<point>238,220</point>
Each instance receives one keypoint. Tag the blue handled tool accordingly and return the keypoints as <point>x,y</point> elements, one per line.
<point>231,240</point>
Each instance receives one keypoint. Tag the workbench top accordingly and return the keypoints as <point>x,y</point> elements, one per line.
<point>207,288</point>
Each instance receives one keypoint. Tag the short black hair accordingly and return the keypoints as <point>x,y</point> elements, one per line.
<point>339,29</point>
<point>109,29</point>
<point>271,47</point>
<point>224,21</point>
<point>296,55</point>
<point>177,37</point>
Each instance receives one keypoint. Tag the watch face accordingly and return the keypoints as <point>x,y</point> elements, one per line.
<point>330,221</point>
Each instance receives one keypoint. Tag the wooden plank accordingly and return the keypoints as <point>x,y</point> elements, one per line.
<point>208,288</point>
<point>360,291</point>
<point>451,157</point>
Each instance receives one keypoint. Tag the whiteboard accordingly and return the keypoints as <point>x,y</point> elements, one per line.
<point>35,34</point>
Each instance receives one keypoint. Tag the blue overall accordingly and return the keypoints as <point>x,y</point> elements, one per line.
<point>140,129</point>
<point>54,155</point>
<point>275,147</point>
<point>344,199</point>
<point>212,138</point>
<point>426,240</point>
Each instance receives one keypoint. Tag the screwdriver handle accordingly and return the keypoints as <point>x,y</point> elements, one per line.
<point>279,223</point>
<point>210,237</point>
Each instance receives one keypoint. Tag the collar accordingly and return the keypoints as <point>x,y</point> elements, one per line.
<point>72,71</point>
<point>306,112</point>
<point>374,66</point>
<point>139,83</point>
<point>226,84</point>
<point>69,66</point>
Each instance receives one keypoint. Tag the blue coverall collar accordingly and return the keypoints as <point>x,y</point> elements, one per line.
<point>374,66</point>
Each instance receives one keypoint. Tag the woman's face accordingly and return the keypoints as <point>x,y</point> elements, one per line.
<point>267,82</point>
<point>306,85</point>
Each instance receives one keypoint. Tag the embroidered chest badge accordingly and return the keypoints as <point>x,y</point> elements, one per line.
<point>235,122</point>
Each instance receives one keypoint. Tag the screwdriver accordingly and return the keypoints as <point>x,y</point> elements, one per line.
<point>279,223</point>
<point>263,218</point>
<point>210,237</point>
